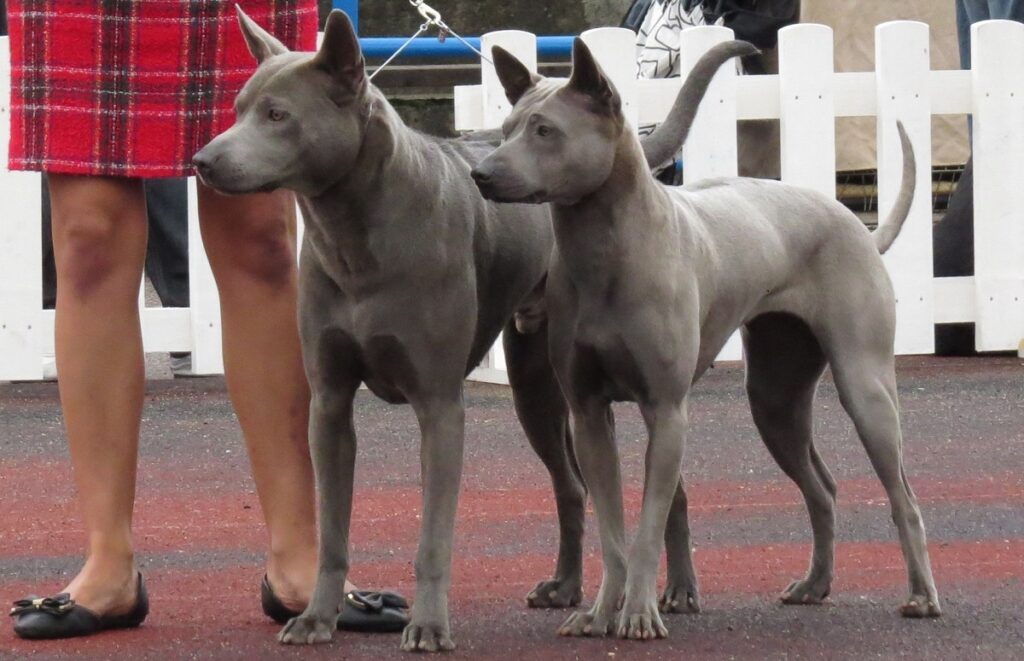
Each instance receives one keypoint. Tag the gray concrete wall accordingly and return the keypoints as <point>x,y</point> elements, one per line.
<point>390,18</point>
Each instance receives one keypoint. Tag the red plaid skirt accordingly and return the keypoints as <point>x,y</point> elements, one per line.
<point>132,88</point>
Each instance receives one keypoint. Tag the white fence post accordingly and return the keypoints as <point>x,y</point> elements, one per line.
<point>902,66</point>
<point>523,45</point>
<point>615,50</point>
<point>710,149</point>
<point>207,351</point>
<point>21,275</point>
<point>997,60</point>
<point>807,114</point>
<point>21,254</point>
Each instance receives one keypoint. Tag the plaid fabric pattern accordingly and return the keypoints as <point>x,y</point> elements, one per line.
<point>132,88</point>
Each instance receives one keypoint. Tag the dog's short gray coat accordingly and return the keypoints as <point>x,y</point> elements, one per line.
<point>407,276</point>
<point>647,283</point>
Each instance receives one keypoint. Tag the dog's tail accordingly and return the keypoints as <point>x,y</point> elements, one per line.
<point>890,229</point>
<point>665,141</point>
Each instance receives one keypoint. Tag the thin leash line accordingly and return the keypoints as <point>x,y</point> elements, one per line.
<point>423,28</point>
<point>431,17</point>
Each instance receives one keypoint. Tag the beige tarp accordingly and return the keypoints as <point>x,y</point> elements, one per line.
<point>853,22</point>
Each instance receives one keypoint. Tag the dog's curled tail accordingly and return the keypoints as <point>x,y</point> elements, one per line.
<point>890,229</point>
<point>665,141</point>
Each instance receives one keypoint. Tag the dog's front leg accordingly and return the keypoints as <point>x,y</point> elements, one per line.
<point>332,439</point>
<point>666,425</point>
<point>442,425</point>
<point>598,456</point>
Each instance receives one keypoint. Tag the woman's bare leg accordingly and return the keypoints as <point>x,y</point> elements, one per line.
<point>250,241</point>
<point>99,241</point>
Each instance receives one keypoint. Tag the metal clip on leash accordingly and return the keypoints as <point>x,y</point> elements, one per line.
<point>431,18</point>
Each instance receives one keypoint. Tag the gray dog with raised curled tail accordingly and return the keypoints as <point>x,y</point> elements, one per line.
<point>648,282</point>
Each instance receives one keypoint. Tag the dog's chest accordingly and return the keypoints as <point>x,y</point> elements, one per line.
<point>381,360</point>
<point>603,365</point>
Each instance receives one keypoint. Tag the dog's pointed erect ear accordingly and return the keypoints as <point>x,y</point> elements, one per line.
<point>513,74</point>
<point>261,43</point>
<point>340,54</point>
<point>587,77</point>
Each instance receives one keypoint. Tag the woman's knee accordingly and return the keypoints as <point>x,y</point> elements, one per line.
<point>98,235</point>
<point>252,241</point>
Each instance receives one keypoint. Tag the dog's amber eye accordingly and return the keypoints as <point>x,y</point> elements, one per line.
<point>276,115</point>
<point>543,131</point>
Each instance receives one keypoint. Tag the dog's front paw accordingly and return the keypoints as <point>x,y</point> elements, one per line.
<point>586,623</point>
<point>921,606</point>
<point>679,599</point>
<point>425,637</point>
<point>641,623</point>
<point>307,630</point>
<point>555,593</point>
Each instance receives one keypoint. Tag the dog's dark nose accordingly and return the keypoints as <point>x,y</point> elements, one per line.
<point>203,163</point>
<point>481,176</point>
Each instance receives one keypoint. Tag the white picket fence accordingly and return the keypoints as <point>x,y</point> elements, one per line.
<point>806,96</point>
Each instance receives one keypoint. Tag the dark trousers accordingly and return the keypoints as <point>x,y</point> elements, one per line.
<point>969,12</point>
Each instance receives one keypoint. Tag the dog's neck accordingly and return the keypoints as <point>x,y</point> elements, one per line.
<point>386,187</point>
<point>591,233</point>
<point>390,153</point>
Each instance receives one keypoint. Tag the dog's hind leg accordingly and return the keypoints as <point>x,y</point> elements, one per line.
<point>865,376</point>
<point>544,414</point>
<point>681,594</point>
<point>784,363</point>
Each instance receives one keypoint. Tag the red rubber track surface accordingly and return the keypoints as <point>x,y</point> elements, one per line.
<point>201,543</point>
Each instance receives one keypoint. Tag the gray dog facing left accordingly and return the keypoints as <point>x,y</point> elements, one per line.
<point>645,286</point>
<point>407,276</point>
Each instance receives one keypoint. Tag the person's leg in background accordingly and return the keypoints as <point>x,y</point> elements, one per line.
<point>250,241</point>
<point>968,12</point>
<point>1009,9</point>
<point>49,267</point>
<point>167,255</point>
<point>953,237</point>
<point>99,241</point>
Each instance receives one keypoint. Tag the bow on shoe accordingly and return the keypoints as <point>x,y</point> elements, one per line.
<point>375,602</point>
<point>59,605</point>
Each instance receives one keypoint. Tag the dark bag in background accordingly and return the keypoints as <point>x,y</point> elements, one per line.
<point>756,21</point>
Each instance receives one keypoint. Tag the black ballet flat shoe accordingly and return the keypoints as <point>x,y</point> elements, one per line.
<point>363,610</point>
<point>373,612</point>
<point>273,607</point>
<point>60,617</point>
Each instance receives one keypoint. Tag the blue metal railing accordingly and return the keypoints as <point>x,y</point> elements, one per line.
<point>430,47</point>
